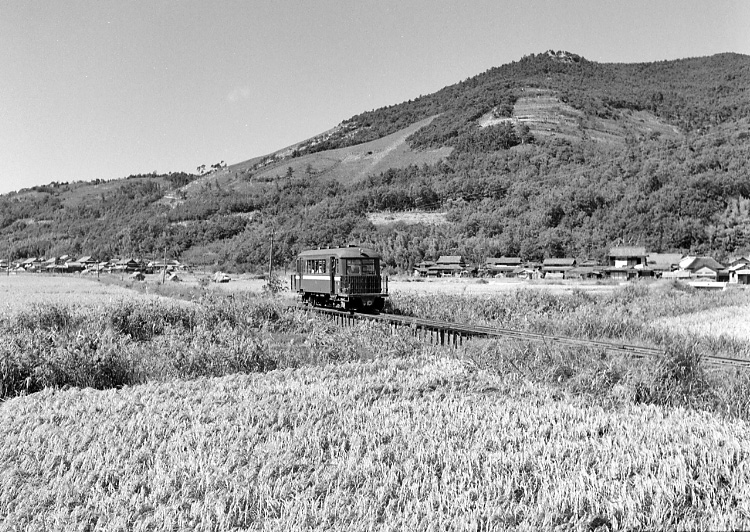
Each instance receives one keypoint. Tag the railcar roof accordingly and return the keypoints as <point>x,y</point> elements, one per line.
<point>341,253</point>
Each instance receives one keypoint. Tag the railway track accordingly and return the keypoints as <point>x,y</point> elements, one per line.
<point>448,333</point>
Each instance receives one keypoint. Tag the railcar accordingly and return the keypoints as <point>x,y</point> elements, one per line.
<point>346,277</point>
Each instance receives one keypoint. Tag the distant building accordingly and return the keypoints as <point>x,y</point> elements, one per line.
<point>663,262</point>
<point>422,269</point>
<point>585,272</point>
<point>627,257</point>
<point>127,265</point>
<point>738,270</point>
<point>556,268</point>
<point>704,268</point>
<point>503,266</point>
<point>448,265</point>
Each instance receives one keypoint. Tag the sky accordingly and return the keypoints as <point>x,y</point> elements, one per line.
<point>105,89</point>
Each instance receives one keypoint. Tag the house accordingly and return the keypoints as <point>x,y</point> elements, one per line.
<point>622,273</point>
<point>625,263</point>
<point>527,272</point>
<point>422,269</point>
<point>74,266</point>
<point>588,263</point>
<point>88,261</point>
<point>663,262</point>
<point>27,264</point>
<point>627,257</point>
<point>556,268</point>
<point>584,272</point>
<point>740,276</point>
<point>738,260</point>
<point>128,265</point>
<point>447,265</point>
<point>704,268</point>
<point>502,266</point>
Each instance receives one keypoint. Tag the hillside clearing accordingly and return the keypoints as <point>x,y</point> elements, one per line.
<point>407,218</point>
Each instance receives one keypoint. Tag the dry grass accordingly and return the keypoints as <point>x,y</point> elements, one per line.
<point>731,322</point>
<point>390,445</point>
<point>22,291</point>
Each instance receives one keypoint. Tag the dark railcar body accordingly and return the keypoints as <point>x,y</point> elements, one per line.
<point>348,278</point>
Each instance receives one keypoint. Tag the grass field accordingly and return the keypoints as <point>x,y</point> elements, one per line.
<point>128,410</point>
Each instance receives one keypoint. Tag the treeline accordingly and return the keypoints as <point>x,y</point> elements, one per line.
<point>552,199</point>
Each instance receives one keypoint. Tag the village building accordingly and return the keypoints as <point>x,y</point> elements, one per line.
<point>502,266</point>
<point>447,266</point>
<point>528,271</point>
<point>88,261</point>
<point>737,261</point>
<point>556,268</point>
<point>32,264</point>
<point>739,273</point>
<point>660,263</point>
<point>161,264</point>
<point>626,257</point>
<point>585,272</point>
<point>74,266</point>
<point>422,269</point>
<point>626,263</point>
<point>704,269</point>
<point>126,265</point>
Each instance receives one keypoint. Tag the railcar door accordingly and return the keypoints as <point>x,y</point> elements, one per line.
<point>332,274</point>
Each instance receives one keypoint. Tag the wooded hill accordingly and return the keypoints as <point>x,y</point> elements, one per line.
<point>549,156</point>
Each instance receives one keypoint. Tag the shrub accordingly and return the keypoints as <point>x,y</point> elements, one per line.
<point>139,322</point>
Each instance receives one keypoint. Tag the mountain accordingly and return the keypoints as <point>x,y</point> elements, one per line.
<point>549,156</point>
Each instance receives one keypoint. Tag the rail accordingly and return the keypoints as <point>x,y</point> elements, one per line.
<point>454,334</point>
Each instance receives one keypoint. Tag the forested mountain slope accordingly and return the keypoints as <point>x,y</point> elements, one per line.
<point>552,155</point>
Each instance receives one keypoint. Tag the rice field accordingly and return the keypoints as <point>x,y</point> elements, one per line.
<point>395,444</point>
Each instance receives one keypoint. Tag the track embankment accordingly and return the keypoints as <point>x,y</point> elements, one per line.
<point>454,334</point>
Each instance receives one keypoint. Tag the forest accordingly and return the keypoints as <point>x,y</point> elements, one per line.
<point>506,189</point>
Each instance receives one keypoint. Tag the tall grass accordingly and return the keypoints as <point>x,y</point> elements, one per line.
<point>131,342</point>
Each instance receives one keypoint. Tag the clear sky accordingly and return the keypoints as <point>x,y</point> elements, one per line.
<point>107,88</point>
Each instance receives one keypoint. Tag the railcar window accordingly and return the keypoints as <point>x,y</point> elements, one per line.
<point>360,267</point>
<point>316,266</point>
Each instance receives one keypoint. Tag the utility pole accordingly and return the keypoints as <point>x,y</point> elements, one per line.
<point>164,271</point>
<point>270,257</point>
